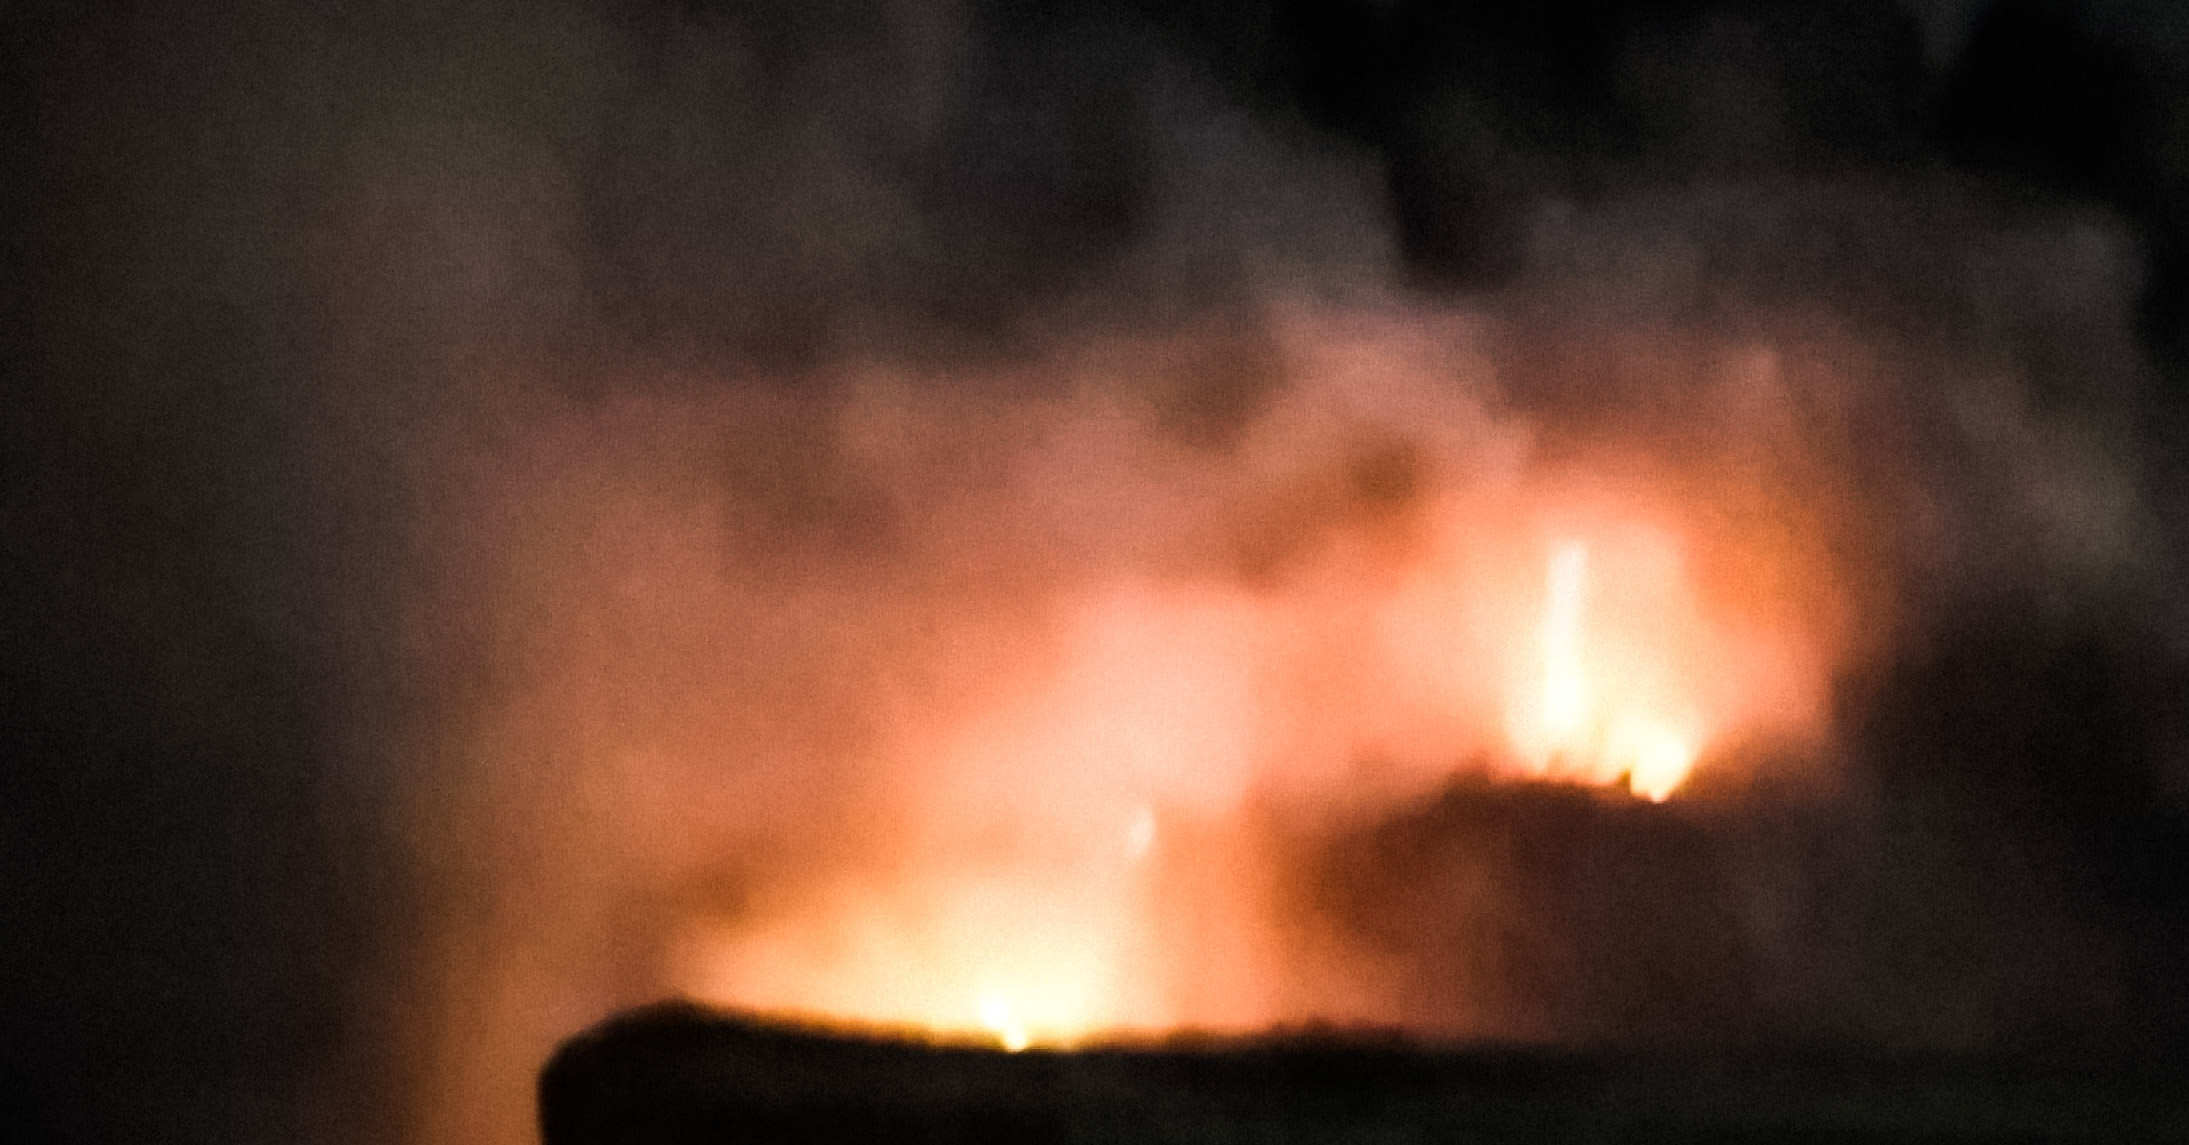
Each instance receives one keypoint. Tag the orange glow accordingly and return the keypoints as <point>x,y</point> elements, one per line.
<point>1600,718</point>
<point>1565,686</point>
<point>997,1014</point>
<point>1007,958</point>
<point>1005,711</point>
<point>1041,896</point>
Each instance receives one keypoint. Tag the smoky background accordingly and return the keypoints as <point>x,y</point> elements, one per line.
<point>435,431</point>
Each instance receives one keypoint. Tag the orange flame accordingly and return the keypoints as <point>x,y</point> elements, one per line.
<point>995,709</point>
<point>1596,722</point>
<point>1045,899</point>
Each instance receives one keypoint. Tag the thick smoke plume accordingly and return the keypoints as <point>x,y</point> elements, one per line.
<point>931,514</point>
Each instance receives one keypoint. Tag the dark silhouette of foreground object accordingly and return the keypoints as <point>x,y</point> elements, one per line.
<point>673,1074</point>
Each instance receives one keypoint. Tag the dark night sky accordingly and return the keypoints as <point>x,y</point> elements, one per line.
<point>197,499</point>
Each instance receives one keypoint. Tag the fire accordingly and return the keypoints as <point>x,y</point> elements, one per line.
<point>987,703</point>
<point>1063,874</point>
<point>997,1015</point>
<point>1134,675</point>
<point>1590,723</point>
<point>1140,833</point>
<point>1012,958</point>
<point>1565,686</point>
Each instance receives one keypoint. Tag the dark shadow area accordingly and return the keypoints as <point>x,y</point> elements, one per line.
<point>676,1074</point>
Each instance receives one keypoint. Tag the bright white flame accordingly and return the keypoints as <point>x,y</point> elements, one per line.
<point>1565,687</point>
<point>1607,695</point>
<point>1140,833</point>
<point>1657,759</point>
<point>997,1018</point>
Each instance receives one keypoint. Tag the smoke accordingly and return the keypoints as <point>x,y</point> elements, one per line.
<point>937,686</point>
<point>930,513</point>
